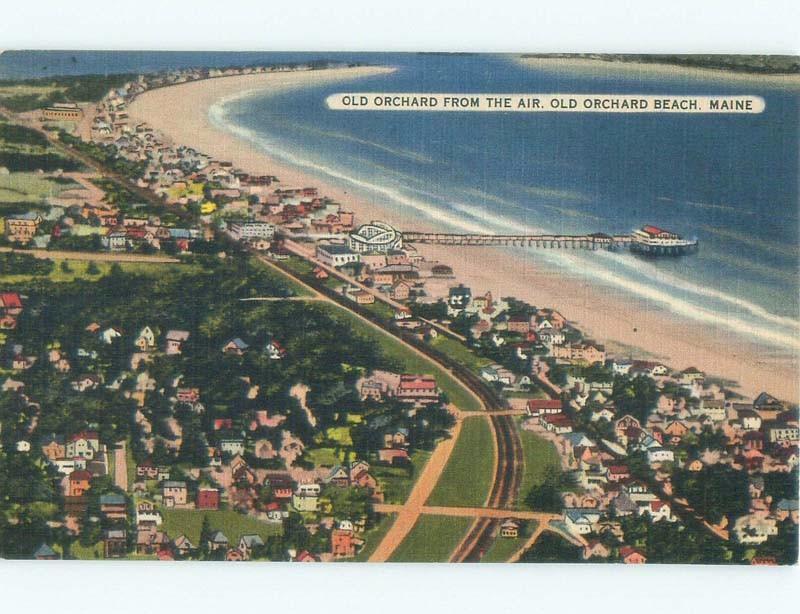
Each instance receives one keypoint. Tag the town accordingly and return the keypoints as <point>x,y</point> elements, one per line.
<point>202,363</point>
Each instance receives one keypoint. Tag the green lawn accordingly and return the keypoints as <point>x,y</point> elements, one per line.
<point>432,540</point>
<point>467,477</point>
<point>297,288</point>
<point>86,553</point>
<point>504,547</point>
<point>541,460</point>
<point>396,481</point>
<point>325,457</point>
<point>16,187</point>
<point>413,362</point>
<point>460,352</point>
<point>373,537</point>
<point>78,269</point>
<point>232,524</point>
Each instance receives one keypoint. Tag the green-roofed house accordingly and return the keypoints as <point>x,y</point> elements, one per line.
<point>45,553</point>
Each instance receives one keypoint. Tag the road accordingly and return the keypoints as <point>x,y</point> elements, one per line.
<point>409,512</point>
<point>120,466</point>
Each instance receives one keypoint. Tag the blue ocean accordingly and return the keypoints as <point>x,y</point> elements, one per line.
<point>729,180</point>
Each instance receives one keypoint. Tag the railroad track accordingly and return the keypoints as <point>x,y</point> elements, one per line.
<point>505,489</point>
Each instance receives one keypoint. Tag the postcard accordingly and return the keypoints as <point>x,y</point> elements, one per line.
<point>398,307</point>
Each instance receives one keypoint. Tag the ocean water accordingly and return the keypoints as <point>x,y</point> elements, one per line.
<point>729,180</point>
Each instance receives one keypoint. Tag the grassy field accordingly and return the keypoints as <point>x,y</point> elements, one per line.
<point>298,289</point>
<point>541,460</point>
<point>373,537</point>
<point>466,479</point>
<point>460,352</point>
<point>78,269</point>
<point>414,363</point>
<point>396,481</point>
<point>232,524</point>
<point>432,540</point>
<point>16,187</point>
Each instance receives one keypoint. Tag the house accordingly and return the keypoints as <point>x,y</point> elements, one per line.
<point>335,255</point>
<point>595,549</point>
<point>418,389</point>
<point>85,444</point>
<point>182,545</point>
<point>146,513</point>
<point>540,407</point>
<point>587,352</point>
<point>113,506</point>
<point>557,423</point>
<point>145,340</point>
<point>78,483</point>
<point>53,447</point>
<point>173,493</point>
<point>306,498</point>
<point>657,454</point>
<point>342,543</point>
<point>207,499</point>
<point>247,543</point>
<point>396,439</point>
<point>618,473</point>
<point>754,530</point>
<point>519,324</point>
<point>217,541</point>
<point>393,456</point>
<point>275,350</point>
<point>233,446</point>
<point>115,543</point>
<point>45,553</point>
<point>109,334</point>
<point>581,521</point>
<point>632,556</point>
<point>339,476</point>
<point>235,346</point>
<point>174,341</point>
<point>86,382</point>
<point>509,528</point>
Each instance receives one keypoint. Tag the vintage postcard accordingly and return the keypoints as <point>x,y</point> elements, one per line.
<point>322,307</point>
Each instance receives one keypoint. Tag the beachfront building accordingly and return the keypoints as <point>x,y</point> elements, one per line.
<point>335,254</point>
<point>375,237</point>
<point>63,111</point>
<point>251,230</point>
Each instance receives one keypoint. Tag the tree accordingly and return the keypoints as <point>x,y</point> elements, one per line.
<point>92,268</point>
<point>65,268</point>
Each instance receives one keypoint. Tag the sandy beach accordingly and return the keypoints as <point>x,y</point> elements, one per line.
<point>643,330</point>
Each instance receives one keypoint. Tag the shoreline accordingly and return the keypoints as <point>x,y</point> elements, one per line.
<point>598,310</point>
<point>659,69</point>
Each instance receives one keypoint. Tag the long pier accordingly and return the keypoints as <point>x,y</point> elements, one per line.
<point>591,242</point>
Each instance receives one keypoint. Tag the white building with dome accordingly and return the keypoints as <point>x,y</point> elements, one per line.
<point>375,237</point>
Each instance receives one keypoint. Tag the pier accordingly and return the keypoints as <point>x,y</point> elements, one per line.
<point>593,241</point>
